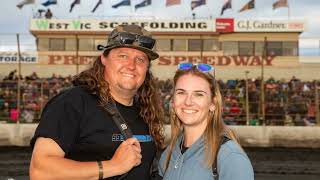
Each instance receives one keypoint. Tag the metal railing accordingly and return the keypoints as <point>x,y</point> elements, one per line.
<point>286,103</point>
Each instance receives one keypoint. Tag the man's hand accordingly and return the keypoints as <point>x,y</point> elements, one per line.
<point>127,156</point>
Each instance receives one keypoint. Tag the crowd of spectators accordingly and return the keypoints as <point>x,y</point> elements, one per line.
<point>286,102</point>
<point>35,93</point>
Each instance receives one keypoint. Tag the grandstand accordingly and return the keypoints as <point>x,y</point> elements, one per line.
<point>287,102</point>
<point>259,56</point>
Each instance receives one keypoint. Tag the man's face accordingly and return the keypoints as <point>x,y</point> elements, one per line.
<point>125,69</point>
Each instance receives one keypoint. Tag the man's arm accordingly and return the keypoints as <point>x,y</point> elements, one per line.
<point>48,162</point>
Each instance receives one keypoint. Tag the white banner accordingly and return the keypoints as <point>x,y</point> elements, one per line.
<point>13,57</point>
<point>206,25</point>
<point>107,25</point>
<point>268,26</point>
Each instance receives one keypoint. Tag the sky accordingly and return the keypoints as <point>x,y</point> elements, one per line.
<point>14,20</point>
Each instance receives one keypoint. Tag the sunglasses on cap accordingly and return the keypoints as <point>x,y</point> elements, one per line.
<point>201,67</point>
<point>125,38</point>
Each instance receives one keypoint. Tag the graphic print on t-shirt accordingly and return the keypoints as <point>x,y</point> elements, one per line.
<point>140,138</point>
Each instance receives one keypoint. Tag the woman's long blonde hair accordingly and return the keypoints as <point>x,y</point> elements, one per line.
<point>215,128</point>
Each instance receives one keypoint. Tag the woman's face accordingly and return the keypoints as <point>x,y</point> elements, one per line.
<point>192,101</point>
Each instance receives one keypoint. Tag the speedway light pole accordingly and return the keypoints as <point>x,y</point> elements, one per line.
<point>77,54</point>
<point>262,100</point>
<point>19,80</point>
<point>247,98</point>
<point>316,88</point>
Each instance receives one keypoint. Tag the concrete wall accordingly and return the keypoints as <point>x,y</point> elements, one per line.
<point>16,134</point>
<point>250,136</point>
<point>279,136</point>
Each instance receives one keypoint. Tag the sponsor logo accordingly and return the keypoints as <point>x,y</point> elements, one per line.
<point>267,26</point>
<point>140,138</point>
<point>217,60</point>
<point>224,25</point>
<point>13,57</point>
<point>175,60</point>
<point>124,126</point>
<point>83,25</point>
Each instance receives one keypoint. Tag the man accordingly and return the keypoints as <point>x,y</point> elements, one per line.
<point>77,138</point>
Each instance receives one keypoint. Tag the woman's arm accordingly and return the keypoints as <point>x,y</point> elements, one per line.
<point>235,166</point>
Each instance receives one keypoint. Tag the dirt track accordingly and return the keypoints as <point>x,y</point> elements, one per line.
<point>269,163</point>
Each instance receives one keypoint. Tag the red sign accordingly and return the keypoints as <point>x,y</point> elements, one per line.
<point>224,25</point>
<point>295,26</point>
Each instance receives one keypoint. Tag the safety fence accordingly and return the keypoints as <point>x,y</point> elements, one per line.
<point>284,103</point>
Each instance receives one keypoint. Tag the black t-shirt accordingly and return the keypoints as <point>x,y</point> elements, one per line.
<point>85,132</point>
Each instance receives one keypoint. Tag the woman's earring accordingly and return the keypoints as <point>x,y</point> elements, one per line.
<point>210,113</point>
<point>212,108</point>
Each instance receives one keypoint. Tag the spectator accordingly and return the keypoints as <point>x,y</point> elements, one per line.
<point>12,75</point>
<point>14,115</point>
<point>5,111</point>
<point>48,14</point>
<point>288,121</point>
<point>310,119</point>
<point>27,115</point>
<point>33,76</point>
<point>254,120</point>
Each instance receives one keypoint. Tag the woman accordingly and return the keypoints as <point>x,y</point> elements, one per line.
<point>197,130</point>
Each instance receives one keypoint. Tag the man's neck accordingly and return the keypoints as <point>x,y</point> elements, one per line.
<point>123,98</point>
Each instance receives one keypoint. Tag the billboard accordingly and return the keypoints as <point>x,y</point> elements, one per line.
<point>241,25</point>
<point>171,26</point>
<point>13,57</point>
<point>83,25</point>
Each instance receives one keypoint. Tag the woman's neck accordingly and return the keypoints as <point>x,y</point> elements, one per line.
<point>191,135</point>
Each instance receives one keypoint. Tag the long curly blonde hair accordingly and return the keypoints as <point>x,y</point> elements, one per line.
<point>215,129</point>
<point>151,109</point>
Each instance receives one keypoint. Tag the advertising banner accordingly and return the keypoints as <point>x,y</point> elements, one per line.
<point>13,57</point>
<point>83,25</point>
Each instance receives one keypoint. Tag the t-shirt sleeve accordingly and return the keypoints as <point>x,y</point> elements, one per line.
<point>235,166</point>
<point>60,121</point>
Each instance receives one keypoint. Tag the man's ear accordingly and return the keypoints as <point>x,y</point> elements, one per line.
<point>103,59</point>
